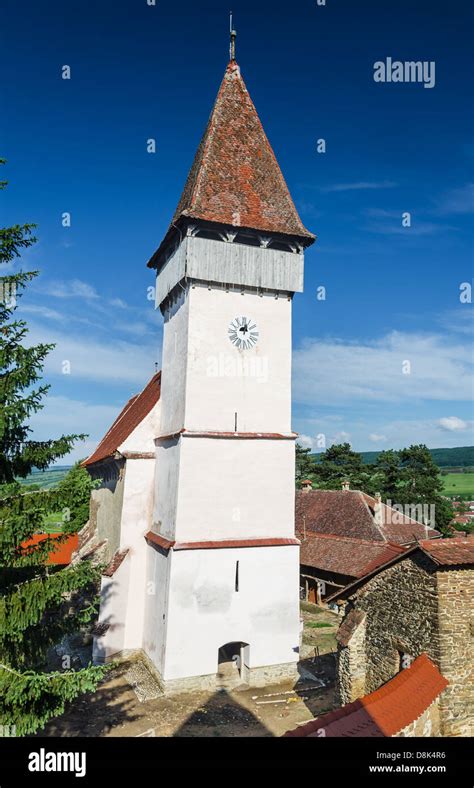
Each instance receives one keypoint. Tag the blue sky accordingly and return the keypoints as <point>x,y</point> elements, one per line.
<point>140,72</point>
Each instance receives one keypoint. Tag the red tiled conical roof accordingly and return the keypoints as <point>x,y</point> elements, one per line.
<point>235,178</point>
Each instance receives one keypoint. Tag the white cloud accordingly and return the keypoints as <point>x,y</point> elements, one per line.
<point>417,227</point>
<point>118,302</point>
<point>375,438</point>
<point>42,311</point>
<point>453,424</point>
<point>73,288</point>
<point>305,441</point>
<point>62,415</point>
<point>107,360</point>
<point>397,433</point>
<point>460,320</point>
<point>358,185</point>
<point>333,371</point>
<point>457,201</point>
<point>340,437</point>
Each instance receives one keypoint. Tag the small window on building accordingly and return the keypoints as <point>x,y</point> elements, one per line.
<point>280,247</point>
<point>405,660</point>
<point>246,240</point>
<point>210,235</point>
<point>237,575</point>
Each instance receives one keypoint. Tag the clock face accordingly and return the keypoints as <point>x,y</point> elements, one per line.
<point>243,333</point>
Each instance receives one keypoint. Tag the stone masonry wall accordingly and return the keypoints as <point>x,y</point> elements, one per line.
<point>456,663</point>
<point>351,667</point>
<point>106,506</point>
<point>426,725</point>
<point>402,616</point>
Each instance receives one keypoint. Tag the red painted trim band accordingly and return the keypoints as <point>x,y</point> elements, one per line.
<point>291,436</point>
<point>221,544</point>
<point>160,541</point>
<point>166,544</point>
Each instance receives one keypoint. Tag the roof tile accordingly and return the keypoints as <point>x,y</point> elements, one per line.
<point>345,555</point>
<point>458,551</point>
<point>128,419</point>
<point>385,712</point>
<point>235,178</point>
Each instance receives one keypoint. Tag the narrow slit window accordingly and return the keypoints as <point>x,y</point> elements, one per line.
<point>237,575</point>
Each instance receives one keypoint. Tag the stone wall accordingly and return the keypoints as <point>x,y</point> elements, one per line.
<point>402,618</point>
<point>413,607</point>
<point>456,663</point>
<point>352,664</point>
<point>254,677</point>
<point>105,511</point>
<point>426,725</point>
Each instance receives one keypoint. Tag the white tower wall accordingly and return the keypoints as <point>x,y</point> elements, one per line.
<point>224,486</point>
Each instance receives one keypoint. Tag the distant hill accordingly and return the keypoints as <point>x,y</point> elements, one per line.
<point>460,457</point>
<point>47,479</point>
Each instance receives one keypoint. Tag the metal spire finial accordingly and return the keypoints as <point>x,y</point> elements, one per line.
<point>233,36</point>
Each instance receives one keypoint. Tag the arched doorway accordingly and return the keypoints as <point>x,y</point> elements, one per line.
<point>232,662</point>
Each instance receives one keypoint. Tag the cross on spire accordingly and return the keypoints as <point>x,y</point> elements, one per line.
<point>233,36</point>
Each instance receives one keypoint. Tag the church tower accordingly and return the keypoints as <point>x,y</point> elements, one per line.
<point>223,561</point>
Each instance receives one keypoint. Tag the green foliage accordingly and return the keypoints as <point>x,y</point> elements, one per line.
<point>467,528</point>
<point>458,457</point>
<point>39,604</point>
<point>44,695</point>
<point>339,463</point>
<point>386,476</point>
<point>411,478</point>
<point>45,479</point>
<point>459,485</point>
<point>421,484</point>
<point>408,477</point>
<point>318,624</point>
<point>304,465</point>
<point>73,495</point>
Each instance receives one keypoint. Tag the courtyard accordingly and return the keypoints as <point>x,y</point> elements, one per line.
<point>128,702</point>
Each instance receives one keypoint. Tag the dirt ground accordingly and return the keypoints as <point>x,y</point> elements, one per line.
<point>115,710</point>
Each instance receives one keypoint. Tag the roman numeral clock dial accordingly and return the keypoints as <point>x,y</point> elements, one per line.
<point>243,333</point>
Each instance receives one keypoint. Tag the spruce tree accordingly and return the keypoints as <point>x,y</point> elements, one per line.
<point>39,603</point>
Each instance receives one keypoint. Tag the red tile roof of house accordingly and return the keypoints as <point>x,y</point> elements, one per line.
<point>116,561</point>
<point>385,712</point>
<point>128,419</point>
<point>351,513</point>
<point>235,178</point>
<point>337,512</point>
<point>458,551</point>
<point>345,555</point>
<point>399,527</point>
<point>61,553</point>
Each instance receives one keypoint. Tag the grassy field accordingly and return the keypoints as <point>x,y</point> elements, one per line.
<point>46,479</point>
<point>53,523</point>
<point>459,483</point>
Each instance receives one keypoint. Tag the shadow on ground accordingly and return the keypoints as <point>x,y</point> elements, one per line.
<point>222,715</point>
<point>96,713</point>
